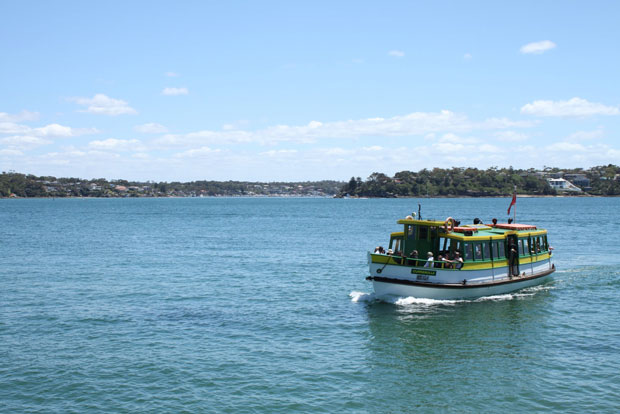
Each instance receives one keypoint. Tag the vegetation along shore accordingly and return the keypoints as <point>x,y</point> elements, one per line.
<point>438,182</point>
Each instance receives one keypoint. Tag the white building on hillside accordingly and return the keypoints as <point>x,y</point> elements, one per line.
<point>560,184</point>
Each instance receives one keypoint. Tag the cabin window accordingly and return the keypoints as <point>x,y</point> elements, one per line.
<point>485,251</point>
<point>395,245</point>
<point>410,231</point>
<point>469,251</point>
<point>523,247</point>
<point>499,249</point>
<point>455,245</point>
<point>443,245</point>
<point>545,245</point>
<point>423,233</point>
<point>477,251</point>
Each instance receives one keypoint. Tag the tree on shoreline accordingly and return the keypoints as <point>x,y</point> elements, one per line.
<point>472,182</point>
<point>438,182</point>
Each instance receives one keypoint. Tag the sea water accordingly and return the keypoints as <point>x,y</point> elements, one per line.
<point>250,305</point>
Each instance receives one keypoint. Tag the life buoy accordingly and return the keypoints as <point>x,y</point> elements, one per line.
<point>448,225</point>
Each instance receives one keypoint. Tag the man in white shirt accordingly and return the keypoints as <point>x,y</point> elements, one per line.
<point>429,261</point>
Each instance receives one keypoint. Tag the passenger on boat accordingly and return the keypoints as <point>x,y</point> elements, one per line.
<point>380,250</point>
<point>429,261</point>
<point>458,260</point>
<point>390,252</point>
<point>440,261</point>
<point>513,257</point>
<point>413,258</point>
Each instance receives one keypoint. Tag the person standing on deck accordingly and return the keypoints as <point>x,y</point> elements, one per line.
<point>429,261</point>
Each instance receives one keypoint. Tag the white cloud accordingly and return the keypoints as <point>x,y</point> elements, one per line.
<point>56,130</point>
<point>197,153</point>
<point>308,163</point>
<point>22,116</point>
<point>467,56</point>
<point>396,53</point>
<point>337,151</point>
<point>274,153</point>
<point>490,149</point>
<point>575,107</point>
<point>563,153</point>
<point>24,137</point>
<point>201,137</point>
<point>13,128</point>
<point>537,48</point>
<point>455,139</point>
<point>585,135</point>
<point>151,128</point>
<point>113,144</point>
<point>174,91</point>
<point>417,123</point>
<point>10,152</point>
<point>511,136</point>
<point>24,142</point>
<point>171,74</point>
<point>102,104</point>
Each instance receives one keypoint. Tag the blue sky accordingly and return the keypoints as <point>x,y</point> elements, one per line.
<point>305,90</point>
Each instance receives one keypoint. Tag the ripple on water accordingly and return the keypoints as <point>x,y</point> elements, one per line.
<point>231,305</point>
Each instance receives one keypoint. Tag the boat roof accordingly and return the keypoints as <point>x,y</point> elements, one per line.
<point>515,226</point>
<point>480,231</point>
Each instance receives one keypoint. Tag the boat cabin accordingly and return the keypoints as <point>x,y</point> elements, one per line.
<point>476,243</point>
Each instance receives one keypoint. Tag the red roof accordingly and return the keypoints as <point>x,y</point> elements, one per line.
<point>465,229</point>
<point>514,226</point>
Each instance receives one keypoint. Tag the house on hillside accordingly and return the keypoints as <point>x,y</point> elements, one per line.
<point>562,185</point>
<point>579,180</point>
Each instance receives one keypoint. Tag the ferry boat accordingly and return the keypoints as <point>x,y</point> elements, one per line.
<point>444,260</point>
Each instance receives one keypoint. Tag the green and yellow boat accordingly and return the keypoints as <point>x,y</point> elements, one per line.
<point>444,260</point>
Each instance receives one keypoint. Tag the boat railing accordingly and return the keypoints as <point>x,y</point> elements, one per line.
<point>410,261</point>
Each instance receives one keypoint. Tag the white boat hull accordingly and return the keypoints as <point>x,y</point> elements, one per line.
<point>434,283</point>
<point>444,292</point>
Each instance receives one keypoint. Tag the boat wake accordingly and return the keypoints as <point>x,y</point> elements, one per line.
<point>413,301</point>
<point>362,296</point>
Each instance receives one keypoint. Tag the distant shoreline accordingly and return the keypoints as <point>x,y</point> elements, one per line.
<point>310,196</point>
<point>458,183</point>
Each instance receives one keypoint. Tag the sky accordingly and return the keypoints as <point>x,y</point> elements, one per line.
<point>308,90</point>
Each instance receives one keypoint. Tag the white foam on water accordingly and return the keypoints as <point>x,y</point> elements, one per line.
<point>361,296</point>
<point>539,288</point>
<point>506,296</point>
<point>410,300</point>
